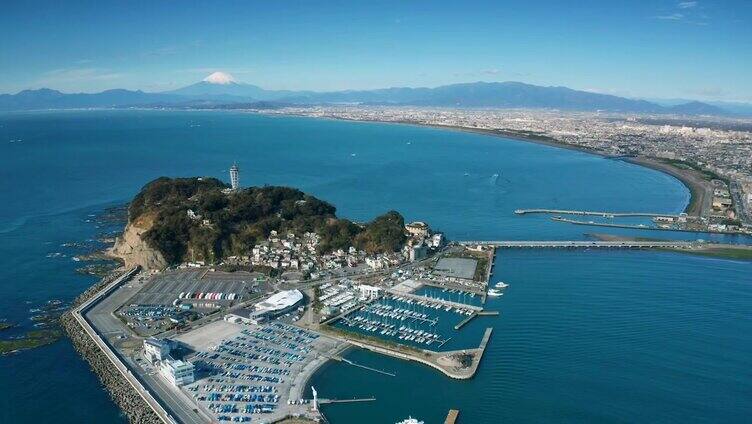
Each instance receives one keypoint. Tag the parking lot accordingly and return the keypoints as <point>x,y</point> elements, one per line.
<point>195,285</point>
<point>463,268</point>
<point>248,377</point>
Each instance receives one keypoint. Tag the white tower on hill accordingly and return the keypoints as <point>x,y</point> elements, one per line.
<point>235,177</point>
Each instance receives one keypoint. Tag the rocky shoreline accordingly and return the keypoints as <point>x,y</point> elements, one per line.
<point>121,392</point>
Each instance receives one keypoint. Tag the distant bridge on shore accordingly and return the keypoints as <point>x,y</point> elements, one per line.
<point>578,244</point>
<point>592,213</point>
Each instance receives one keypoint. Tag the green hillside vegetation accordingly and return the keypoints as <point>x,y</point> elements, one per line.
<point>238,220</point>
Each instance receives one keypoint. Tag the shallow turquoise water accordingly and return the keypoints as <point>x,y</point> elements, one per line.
<point>583,336</point>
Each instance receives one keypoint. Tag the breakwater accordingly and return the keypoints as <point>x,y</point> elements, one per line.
<point>121,392</point>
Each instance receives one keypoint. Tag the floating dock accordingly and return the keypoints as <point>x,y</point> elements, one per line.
<point>466,320</point>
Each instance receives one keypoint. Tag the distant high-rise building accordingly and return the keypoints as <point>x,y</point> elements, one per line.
<point>235,177</point>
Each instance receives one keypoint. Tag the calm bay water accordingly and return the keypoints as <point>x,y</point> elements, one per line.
<point>583,336</point>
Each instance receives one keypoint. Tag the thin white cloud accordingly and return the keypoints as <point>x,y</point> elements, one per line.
<point>76,77</point>
<point>688,12</point>
<point>687,4</point>
<point>671,17</point>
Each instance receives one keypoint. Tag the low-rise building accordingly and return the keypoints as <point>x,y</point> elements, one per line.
<point>417,252</point>
<point>177,372</point>
<point>417,229</point>
<point>156,350</point>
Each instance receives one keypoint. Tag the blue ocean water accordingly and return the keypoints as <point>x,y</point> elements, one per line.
<point>583,336</point>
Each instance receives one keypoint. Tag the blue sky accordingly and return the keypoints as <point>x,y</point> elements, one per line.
<point>655,49</point>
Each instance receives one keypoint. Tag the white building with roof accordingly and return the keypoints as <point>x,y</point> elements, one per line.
<point>235,177</point>
<point>177,372</point>
<point>275,305</point>
<point>156,350</point>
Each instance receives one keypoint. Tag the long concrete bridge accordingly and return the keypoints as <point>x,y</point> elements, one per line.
<point>575,244</point>
<point>592,213</point>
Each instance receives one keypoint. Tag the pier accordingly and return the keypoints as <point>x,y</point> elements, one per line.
<point>327,401</point>
<point>581,244</point>
<point>435,301</point>
<point>466,320</point>
<point>591,213</point>
<point>452,416</point>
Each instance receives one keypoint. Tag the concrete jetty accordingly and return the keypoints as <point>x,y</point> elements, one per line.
<point>325,401</point>
<point>137,404</point>
<point>591,213</point>
<point>452,416</point>
<point>466,320</point>
<point>582,244</point>
<point>441,361</point>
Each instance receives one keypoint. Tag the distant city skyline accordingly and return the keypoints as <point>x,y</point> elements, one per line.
<point>657,50</point>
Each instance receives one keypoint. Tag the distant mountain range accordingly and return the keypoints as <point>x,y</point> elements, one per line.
<point>221,91</point>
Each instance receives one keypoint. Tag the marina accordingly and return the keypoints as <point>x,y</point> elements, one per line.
<point>405,320</point>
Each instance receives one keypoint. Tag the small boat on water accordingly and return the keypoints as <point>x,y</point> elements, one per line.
<point>410,420</point>
<point>495,293</point>
<point>501,285</point>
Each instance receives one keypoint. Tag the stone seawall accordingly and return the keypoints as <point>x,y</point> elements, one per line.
<point>130,402</point>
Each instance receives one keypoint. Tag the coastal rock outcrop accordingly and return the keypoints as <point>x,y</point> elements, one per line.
<point>133,250</point>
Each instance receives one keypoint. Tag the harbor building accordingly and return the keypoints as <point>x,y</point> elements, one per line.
<point>235,177</point>
<point>275,305</point>
<point>177,372</point>
<point>156,350</point>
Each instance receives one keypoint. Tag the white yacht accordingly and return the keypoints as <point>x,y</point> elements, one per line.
<point>410,420</point>
<point>494,292</point>
<point>501,285</point>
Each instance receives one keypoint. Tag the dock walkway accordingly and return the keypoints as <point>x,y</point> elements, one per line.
<point>435,300</point>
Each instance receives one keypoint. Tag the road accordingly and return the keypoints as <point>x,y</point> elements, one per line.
<point>169,404</point>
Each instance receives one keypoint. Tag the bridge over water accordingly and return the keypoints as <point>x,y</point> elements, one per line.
<point>581,244</point>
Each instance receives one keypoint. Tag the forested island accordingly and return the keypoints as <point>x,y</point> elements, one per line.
<point>190,219</point>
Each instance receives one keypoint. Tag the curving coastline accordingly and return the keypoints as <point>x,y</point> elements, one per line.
<point>700,190</point>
